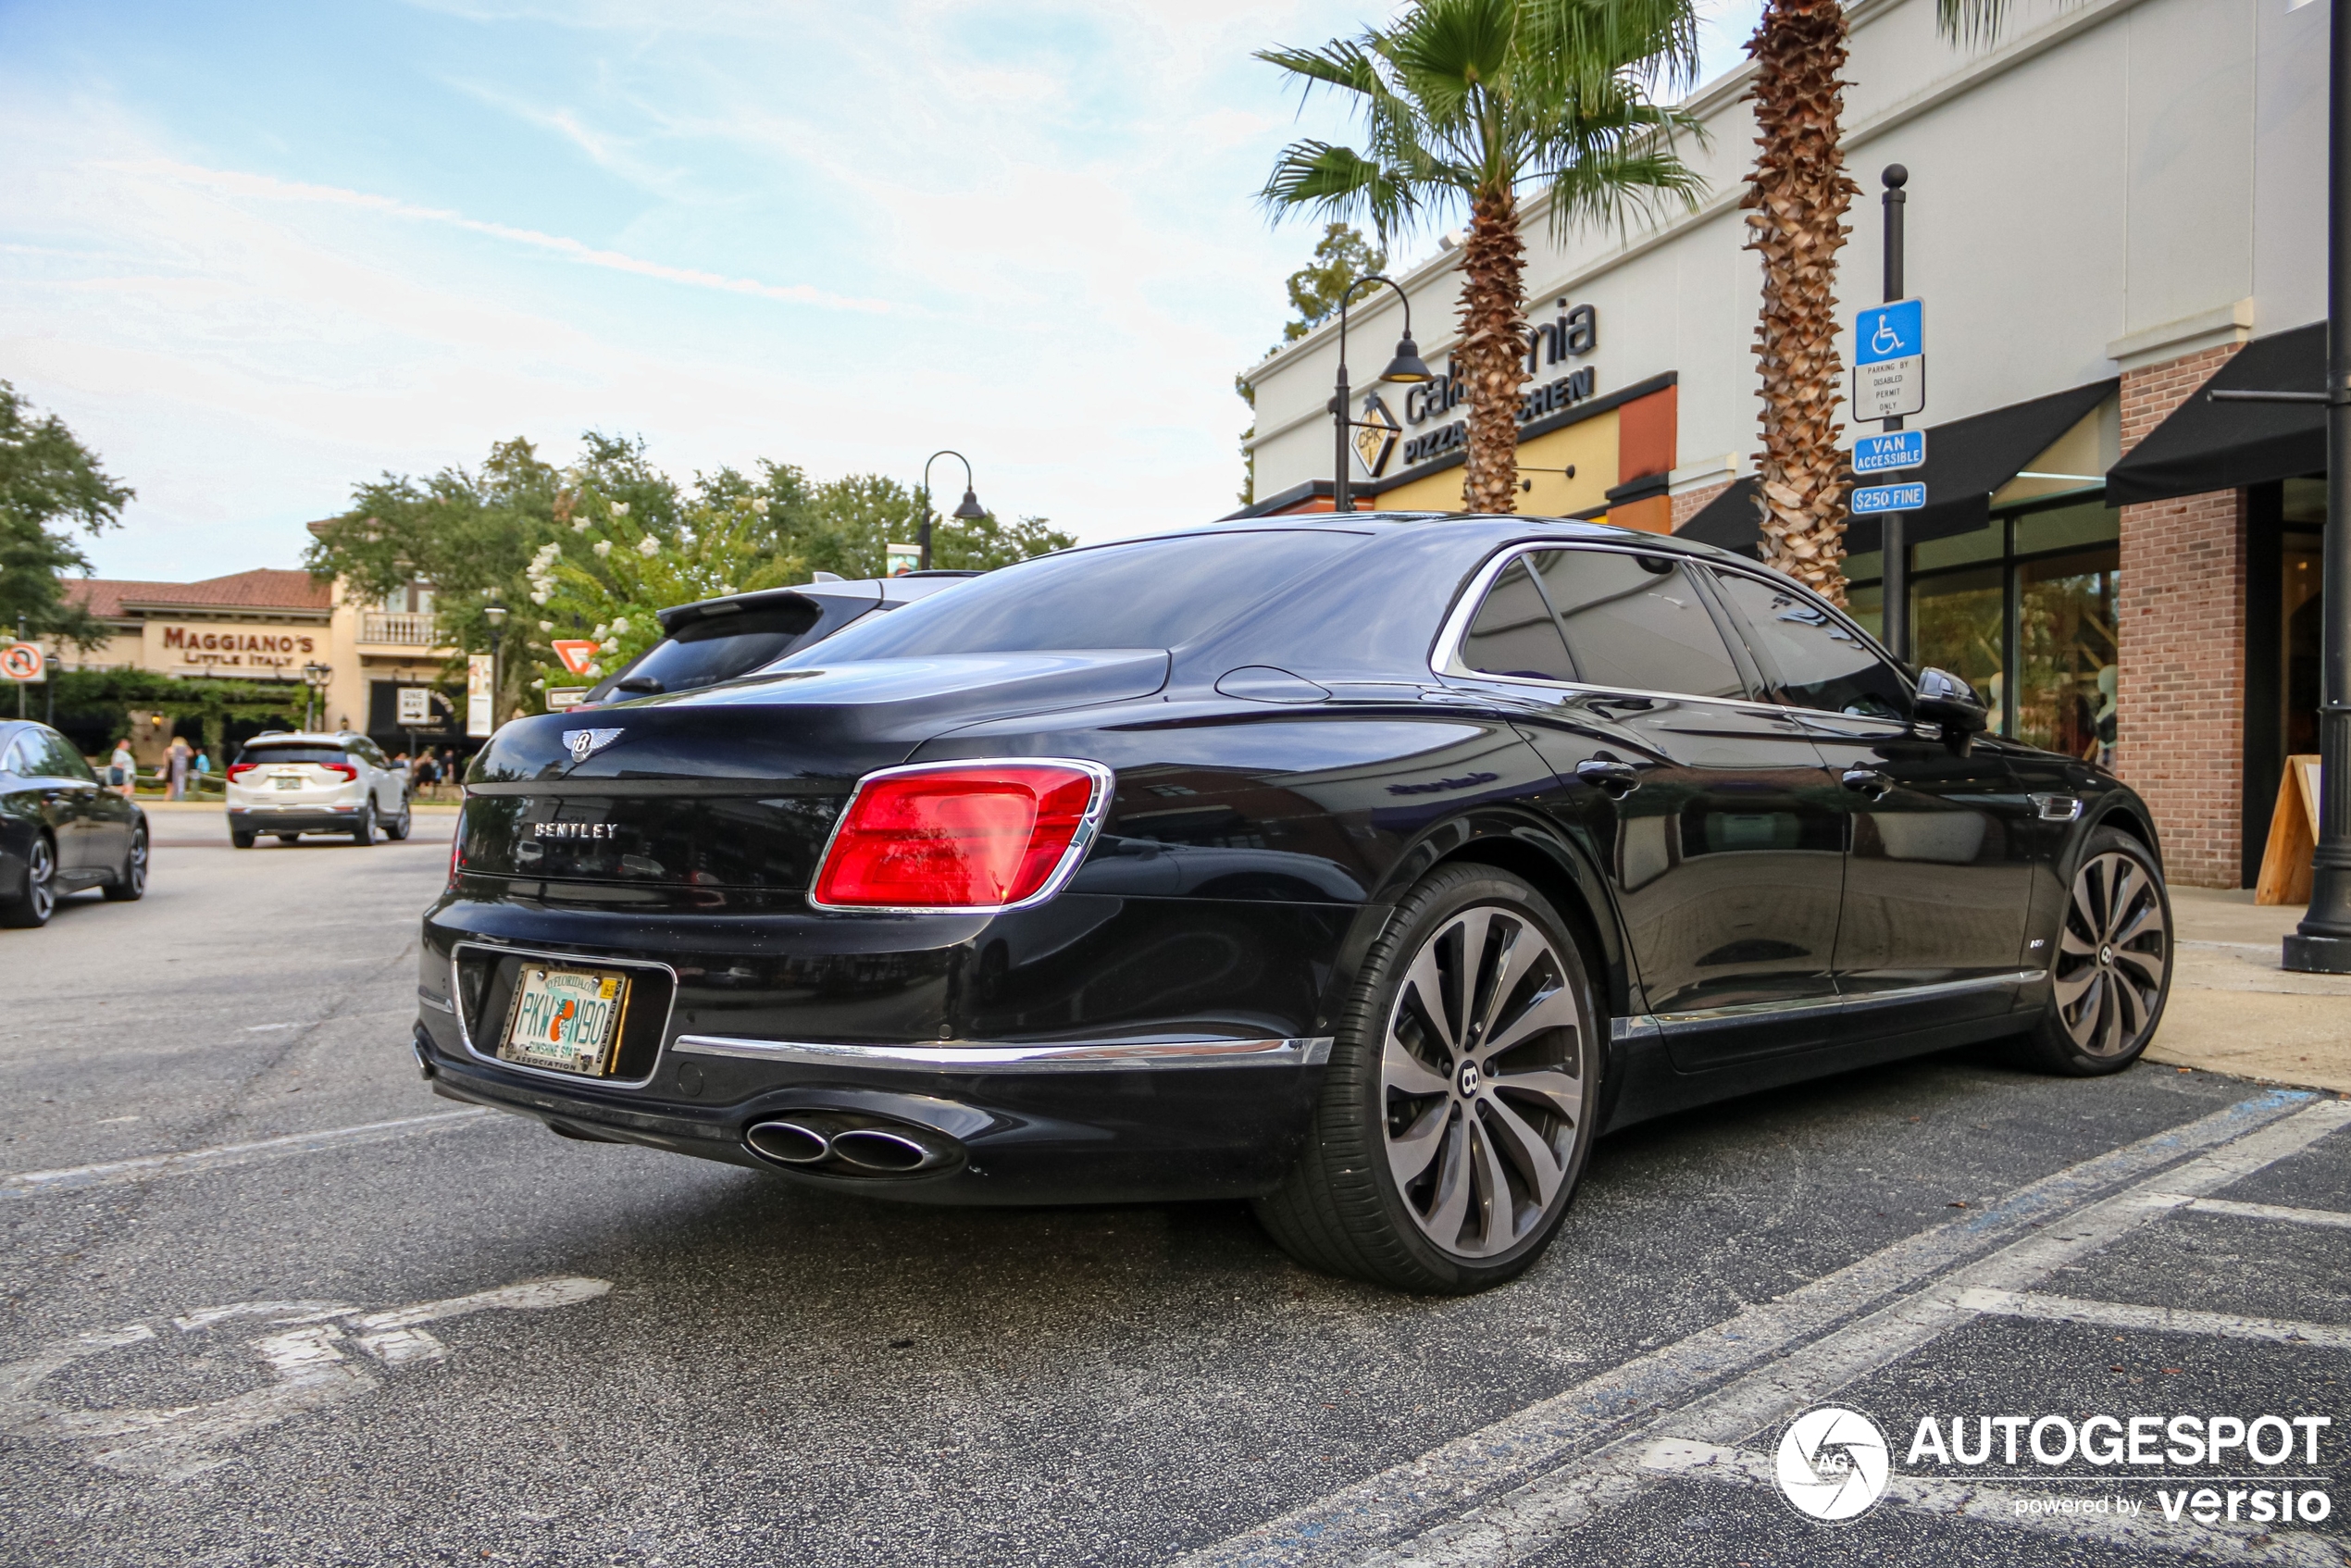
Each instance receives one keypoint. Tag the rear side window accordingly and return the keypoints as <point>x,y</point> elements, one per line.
<point>1637,622</point>
<point>1514,633</point>
<point>1152,593</point>
<point>264,755</point>
<point>1820,662</point>
<point>63,761</point>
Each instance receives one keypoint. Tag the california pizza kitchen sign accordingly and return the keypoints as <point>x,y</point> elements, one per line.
<point>1575,334</point>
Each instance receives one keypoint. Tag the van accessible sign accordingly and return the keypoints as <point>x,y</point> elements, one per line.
<point>1892,451</point>
<point>1889,360</point>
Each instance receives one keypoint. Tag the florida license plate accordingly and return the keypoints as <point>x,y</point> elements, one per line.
<point>567,1020</point>
<point>289,781</point>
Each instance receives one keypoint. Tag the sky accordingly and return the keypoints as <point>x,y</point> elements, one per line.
<point>258,253</point>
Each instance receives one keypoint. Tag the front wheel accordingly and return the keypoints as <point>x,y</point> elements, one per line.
<point>131,877</point>
<point>397,829</point>
<point>2112,970</point>
<point>35,896</point>
<point>1459,1107</point>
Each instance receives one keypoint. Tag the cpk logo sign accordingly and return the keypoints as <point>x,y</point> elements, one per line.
<point>1832,1464</point>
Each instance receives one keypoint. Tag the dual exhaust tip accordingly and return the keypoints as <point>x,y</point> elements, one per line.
<point>851,1146</point>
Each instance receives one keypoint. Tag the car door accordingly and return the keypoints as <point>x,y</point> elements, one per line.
<point>1938,871</point>
<point>102,818</point>
<point>1710,811</point>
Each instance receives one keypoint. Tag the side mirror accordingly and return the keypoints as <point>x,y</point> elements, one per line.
<point>1947,700</point>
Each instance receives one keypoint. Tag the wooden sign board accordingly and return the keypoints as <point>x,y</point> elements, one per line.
<point>2293,836</point>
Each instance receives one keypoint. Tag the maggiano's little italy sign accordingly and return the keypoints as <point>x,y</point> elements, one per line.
<point>225,649</point>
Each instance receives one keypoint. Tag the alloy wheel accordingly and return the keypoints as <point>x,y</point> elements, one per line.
<point>137,865</point>
<point>40,881</point>
<point>2111,954</point>
<point>1480,1087</point>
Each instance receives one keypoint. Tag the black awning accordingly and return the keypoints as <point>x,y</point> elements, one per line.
<point>1966,461</point>
<point>2207,445</point>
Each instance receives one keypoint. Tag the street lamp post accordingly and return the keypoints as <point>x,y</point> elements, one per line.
<point>496,615</point>
<point>1405,369</point>
<point>315,676</point>
<point>968,509</point>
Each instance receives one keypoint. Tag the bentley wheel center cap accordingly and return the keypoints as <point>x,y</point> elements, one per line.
<point>2106,956</point>
<point>1469,1079</point>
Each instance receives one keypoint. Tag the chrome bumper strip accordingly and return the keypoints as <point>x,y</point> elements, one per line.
<point>977,1056</point>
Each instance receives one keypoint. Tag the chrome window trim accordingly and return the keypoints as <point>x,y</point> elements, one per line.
<point>1097,808</point>
<point>583,960</point>
<point>982,1057</point>
<point>1445,662</point>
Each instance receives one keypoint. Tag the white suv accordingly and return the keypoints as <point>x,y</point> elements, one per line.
<point>290,784</point>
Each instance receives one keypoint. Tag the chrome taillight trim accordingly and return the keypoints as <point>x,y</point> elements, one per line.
<point>1097,808</point>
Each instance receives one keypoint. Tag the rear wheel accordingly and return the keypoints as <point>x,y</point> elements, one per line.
<point>397,829</point>
<point>242,841</point>
<point>34,898</point>
<point>1457,1110</point>
<point>2112,969</point>
<point>364,830</point>
<point>131,877</point>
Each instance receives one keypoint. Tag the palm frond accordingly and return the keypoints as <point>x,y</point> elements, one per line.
<point>1969,21</point>
<point>1340,184</point>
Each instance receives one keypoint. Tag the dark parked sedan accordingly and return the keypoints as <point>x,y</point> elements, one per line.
<point>60,829</point>
<point>1364,868</point>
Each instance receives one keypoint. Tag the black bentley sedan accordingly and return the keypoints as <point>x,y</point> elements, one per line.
<point>1367,867</point>
<point>60,829</point>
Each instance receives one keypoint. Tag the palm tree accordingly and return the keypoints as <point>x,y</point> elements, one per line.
<point>1795,202</point>
<point>1462,103</point>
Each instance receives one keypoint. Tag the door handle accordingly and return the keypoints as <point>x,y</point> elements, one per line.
<point>1868,782</point>
<point>1617,780</point>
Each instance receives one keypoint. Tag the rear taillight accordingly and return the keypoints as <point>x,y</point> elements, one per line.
<point>237,768</point>
<point>962,836</point>
<point>457,852</point>
<point>343,769</point>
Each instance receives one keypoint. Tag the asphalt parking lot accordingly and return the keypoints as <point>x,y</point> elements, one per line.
<point>265,1299</point>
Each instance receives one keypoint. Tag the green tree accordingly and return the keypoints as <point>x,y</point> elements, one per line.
<point>52,488</point>
<point>1341,256</point>
<point>1796,201</point>
<point>1463,104</point>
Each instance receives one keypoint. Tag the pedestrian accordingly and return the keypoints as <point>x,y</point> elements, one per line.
<point>426,775</point>
<point>177,765</point>
<point>122,769</point>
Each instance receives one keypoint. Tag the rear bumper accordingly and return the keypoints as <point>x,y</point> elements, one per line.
<point>1092,1050</point>
<point>292,819</point>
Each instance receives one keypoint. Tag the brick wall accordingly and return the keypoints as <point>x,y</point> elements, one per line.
<point>1689,503</point>
<point>2180,701</point>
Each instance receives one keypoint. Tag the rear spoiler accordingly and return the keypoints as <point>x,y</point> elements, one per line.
<point>679,616</point>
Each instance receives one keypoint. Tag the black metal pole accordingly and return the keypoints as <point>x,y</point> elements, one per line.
<point>2322,944</point>
<point>922,534</point>
<point>1340,500</point>
<point>1896,582</point>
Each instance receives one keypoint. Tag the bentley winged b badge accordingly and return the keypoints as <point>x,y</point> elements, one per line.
<point>584,742</point>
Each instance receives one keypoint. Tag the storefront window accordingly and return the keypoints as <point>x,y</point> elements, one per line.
<point>2066,646</point>
<point>1958,623</point>
<point>2305,512</point>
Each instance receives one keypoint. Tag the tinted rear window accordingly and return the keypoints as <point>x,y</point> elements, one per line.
<point>1153,593</point>
<point>292,754</point>
<point>718,648</point>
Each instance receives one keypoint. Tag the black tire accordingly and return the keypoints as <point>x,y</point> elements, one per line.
<point>2111,974</point>
<point>242,841</point>
<point>130,882</point>
<point>397,829</point>
<point>363,832</point>
<point>1344,1207</point>
<point>289,838</point>
<point>34,897</point>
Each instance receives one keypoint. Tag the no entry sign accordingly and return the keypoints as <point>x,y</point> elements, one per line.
<point>22,661</point>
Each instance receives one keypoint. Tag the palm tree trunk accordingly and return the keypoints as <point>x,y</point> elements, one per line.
<point>1796,199</point>
<point>1493,349</point>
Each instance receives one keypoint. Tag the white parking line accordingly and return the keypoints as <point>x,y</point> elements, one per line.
<point>2162,1320</point>
<point>2018,1510</point>
<point>1345,1525</point>
<point>2272,1211</point>
<point>24,1184</point>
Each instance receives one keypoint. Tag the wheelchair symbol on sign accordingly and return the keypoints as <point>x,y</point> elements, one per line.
<point>1885,339</point>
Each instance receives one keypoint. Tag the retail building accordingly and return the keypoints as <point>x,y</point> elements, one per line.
<point>2117,207</point>
<point>269,625</point>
